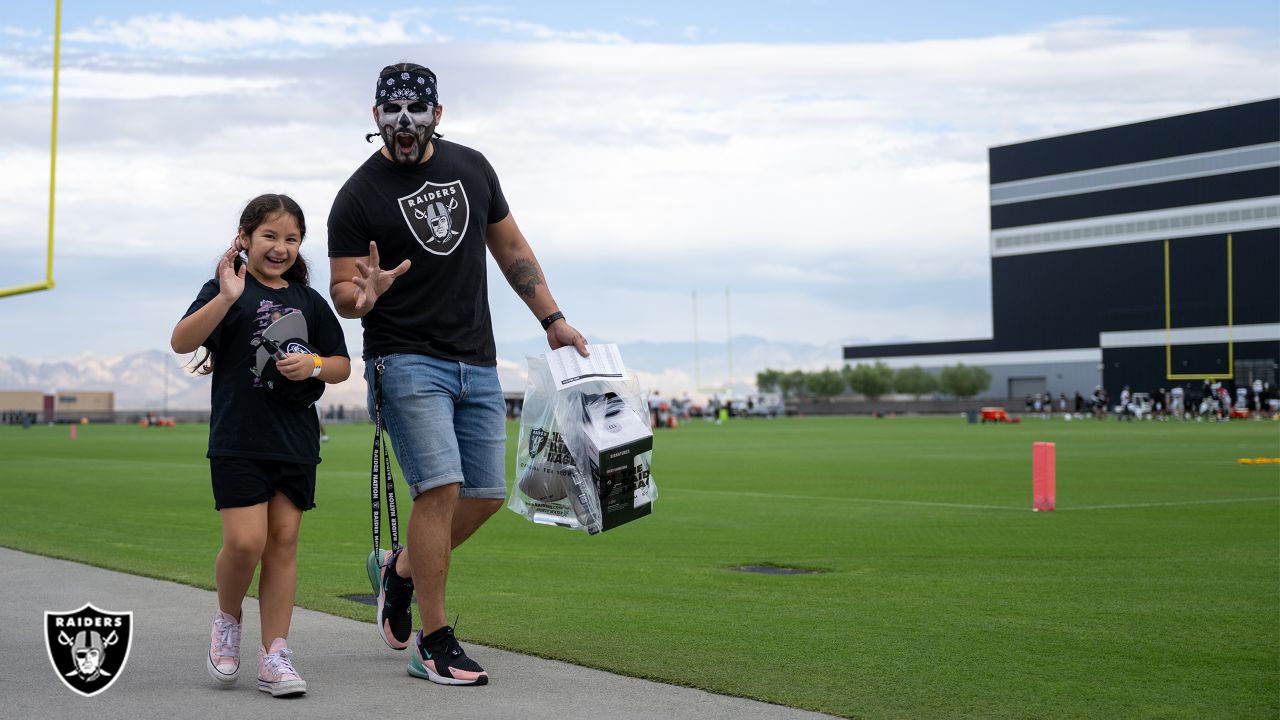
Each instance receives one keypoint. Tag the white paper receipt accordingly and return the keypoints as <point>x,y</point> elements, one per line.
<point>569,368</point>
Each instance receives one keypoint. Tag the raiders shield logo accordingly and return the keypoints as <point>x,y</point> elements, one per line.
<point>437,215</point>
<point>88,647</point>
<point>537,441</point>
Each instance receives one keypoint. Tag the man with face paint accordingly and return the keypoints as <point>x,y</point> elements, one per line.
<point>406,115</point>
<point>408,235</point>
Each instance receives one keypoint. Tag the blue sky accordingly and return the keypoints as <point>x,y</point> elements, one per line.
<point>795,21</point>
<point>825,161</point>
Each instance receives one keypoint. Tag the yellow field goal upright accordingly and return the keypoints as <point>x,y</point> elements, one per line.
<point>1168,329</point>
<point>53,166</point>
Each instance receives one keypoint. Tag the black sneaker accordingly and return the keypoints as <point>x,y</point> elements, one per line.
<point>395,603</point>
<point>439,658</point>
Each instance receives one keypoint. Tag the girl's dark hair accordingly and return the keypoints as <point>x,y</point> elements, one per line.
<point>256,213</point>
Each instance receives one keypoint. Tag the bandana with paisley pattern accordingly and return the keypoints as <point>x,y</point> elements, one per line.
<point>406,85</point>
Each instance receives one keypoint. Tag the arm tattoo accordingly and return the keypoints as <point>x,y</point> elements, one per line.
<point>524,277</point>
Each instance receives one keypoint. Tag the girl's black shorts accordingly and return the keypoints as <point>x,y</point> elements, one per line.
<point>241,482</point>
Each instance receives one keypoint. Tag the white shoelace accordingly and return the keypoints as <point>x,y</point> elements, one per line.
<point>228,637</point>
<point>281,663</point>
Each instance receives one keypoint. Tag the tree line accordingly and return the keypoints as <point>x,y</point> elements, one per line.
<point>874,380</point>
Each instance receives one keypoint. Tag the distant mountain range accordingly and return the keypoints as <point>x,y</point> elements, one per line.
<point>155,380</point>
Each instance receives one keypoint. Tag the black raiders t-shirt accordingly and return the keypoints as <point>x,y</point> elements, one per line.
<point>434,214</point>
<point>246,422</point>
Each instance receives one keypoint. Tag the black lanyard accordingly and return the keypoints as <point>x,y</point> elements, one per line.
<point>381,462</point>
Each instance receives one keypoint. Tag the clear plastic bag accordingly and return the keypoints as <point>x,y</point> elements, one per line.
<point>567,473</point>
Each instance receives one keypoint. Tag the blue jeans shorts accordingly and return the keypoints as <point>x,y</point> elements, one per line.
<point>447,422</point>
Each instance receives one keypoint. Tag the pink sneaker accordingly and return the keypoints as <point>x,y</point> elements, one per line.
<point>275,671</point>
<point>224,649</point>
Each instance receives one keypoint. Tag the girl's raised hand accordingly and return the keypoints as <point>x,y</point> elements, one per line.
<point>373,280</point>
<point>230,282</point>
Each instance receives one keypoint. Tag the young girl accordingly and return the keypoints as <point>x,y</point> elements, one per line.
<point>263,444</point>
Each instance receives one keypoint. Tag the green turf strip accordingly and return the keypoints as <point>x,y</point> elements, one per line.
<point>943,594</point>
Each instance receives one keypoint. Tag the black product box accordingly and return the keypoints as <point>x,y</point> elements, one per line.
<point>618,443</point>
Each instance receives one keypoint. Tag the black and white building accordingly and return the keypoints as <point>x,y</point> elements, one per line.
<point>1145,255</point>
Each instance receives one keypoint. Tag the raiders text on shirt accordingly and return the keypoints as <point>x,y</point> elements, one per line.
<point>429,196</point>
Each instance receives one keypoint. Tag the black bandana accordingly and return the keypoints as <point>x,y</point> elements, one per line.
<point>410,85</point>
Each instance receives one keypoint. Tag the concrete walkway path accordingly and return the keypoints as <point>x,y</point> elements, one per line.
<point>350,673</point>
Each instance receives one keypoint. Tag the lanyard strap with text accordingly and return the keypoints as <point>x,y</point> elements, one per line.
<point>381,463</point>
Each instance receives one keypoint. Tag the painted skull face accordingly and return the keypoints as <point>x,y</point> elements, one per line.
<point>406,125</point>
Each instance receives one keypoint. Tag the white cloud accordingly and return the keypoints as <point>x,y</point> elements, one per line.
<point>84,83</point>
<point>537,31</point>
<point>20,32</point>
<point>773,271</point>
<point>1089,23</point>
<point>813,180</point>
<point>178,33</point>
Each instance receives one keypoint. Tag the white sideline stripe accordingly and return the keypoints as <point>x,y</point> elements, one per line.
<point>1167,504</point>
<point>966,506</point>
<point>778,496</point>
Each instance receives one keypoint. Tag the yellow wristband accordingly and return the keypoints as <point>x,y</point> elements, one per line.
<point>319,361</point>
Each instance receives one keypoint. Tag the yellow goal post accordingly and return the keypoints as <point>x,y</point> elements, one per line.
<point>47,284</point>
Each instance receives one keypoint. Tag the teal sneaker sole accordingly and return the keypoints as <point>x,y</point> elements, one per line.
<point>418,670</point>
<point>374,566</point>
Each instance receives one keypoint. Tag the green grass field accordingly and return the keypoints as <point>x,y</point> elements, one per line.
<point>1153,591</point>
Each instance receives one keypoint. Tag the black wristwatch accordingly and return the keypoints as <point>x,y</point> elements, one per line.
<point>546,321</point>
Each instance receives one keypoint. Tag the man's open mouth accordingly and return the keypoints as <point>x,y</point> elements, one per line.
<point>406,141</point>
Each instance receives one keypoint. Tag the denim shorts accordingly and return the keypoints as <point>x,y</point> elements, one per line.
<point>447,422</point>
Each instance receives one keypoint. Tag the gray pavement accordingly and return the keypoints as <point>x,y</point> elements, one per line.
<point>350,673</point>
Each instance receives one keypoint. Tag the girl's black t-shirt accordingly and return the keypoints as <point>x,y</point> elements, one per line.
<point>246,422</point>
<point>436,215</point>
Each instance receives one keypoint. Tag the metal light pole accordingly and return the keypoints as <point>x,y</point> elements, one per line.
<point>728,341</point>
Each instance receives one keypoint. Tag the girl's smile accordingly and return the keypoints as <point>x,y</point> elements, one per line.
<point>273,248</point>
